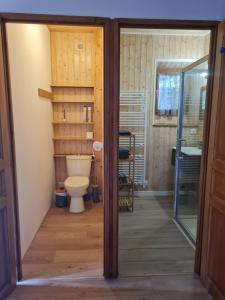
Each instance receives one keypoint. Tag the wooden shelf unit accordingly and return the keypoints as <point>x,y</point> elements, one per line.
<point>72,123</point>
<point>71,138</point>
<point>65,154</point>
<point>70,135</point>
<point>72,86</point>
<point>72,101</point>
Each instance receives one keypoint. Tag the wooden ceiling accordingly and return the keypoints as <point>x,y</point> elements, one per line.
<point>179,32</point>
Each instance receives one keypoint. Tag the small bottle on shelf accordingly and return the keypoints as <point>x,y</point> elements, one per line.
<point>89,118</point>
<point>85,113</point>
<point>64,115</point>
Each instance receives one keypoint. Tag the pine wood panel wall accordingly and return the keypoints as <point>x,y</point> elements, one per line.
<point>77,72</point>
<point>73,58</point>
<point>137,67</point>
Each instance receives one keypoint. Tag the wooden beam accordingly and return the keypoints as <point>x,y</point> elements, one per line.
<point>45,94</point>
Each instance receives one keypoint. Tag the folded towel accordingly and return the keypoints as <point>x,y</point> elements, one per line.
<point>124,153</point>
<point>124,133</point>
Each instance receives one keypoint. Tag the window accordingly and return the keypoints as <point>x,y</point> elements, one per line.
<point>167,93</point>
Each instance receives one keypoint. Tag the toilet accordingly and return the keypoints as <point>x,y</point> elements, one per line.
<point>77,182</point>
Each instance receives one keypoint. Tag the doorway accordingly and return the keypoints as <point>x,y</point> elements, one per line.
<point>152,62</point>
<point>58,118</point>
<point>60,20</point>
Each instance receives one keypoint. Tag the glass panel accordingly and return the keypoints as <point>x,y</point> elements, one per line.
<point>189,146</point>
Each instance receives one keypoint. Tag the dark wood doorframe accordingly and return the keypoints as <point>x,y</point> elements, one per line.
<point>109,148</point>
<point>165,24</point>
<point>7,221</point>
<point>15,193</point>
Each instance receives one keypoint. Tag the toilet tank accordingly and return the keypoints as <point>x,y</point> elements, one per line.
<point>78,165</point>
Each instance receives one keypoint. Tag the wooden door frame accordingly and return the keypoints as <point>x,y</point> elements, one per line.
<point>109,157</point>
<point>165,24</point>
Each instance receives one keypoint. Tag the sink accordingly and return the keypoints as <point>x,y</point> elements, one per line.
<point>187,151</point>
<point>191,151</point>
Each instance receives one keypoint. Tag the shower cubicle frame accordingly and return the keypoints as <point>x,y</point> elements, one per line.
<point>179,156</point>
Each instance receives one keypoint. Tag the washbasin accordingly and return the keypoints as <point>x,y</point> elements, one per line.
<point>191,151</point>
<point>188,151</point>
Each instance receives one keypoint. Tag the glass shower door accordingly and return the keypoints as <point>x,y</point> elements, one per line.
<point>189,144</point>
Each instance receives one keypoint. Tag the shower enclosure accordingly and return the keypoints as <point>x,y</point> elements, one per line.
<point>189,145</point>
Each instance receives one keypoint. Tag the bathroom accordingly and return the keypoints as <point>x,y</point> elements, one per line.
<point>56,78</point>
<point>163,85</point>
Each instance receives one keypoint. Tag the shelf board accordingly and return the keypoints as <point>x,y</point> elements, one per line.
<point>72,123</point>
<point>72,101</point>
<point>65,154</point>
<point>131,158</point>
<point>125,202</point>
<point>129,183</point>
<point>71,86</point>
<point>71,138</point>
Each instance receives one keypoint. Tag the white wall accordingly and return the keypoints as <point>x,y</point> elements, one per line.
<point>30,69</point>
<point>156,9</point>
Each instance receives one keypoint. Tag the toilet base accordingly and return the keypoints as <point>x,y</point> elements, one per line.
<point>76,205</point>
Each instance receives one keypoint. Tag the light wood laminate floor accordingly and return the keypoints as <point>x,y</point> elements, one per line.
<point>69,245</point>
<point>150,242</point>
<point>132,288</point>
<point>64,262</point>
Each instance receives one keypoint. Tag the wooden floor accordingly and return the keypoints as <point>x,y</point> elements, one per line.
<point>64,261</point>
<point>150,242</point>
<point>69,245</point>
<point>132,288</point>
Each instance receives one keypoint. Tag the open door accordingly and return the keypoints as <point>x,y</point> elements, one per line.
<point>213,249</point>
<point>7,226</point>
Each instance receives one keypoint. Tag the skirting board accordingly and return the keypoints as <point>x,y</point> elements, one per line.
<point>153,193</point>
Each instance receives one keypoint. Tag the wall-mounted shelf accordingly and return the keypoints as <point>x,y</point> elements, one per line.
<point>64,155</point>
<point>71,138</point>
<point>72,86</point>
<point>45,94</point>
<point>71,123</point>
<point>72,101</point>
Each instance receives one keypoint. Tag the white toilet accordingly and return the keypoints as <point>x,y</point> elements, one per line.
<point>78,169</point>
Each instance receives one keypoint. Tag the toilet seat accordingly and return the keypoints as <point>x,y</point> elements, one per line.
<point>77,182</point>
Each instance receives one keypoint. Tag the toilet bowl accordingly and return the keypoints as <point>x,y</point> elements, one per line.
<point>77,182</point>
<point>76,187</point>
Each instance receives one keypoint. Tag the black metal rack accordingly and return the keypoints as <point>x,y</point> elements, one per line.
<point>126,189</point>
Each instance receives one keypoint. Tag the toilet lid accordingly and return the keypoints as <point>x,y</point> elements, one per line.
<point>76,181</point>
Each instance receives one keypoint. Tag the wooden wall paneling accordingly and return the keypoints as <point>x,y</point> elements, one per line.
<point>77,81</point>
<point>137,65</point>
<point>73,56</point>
